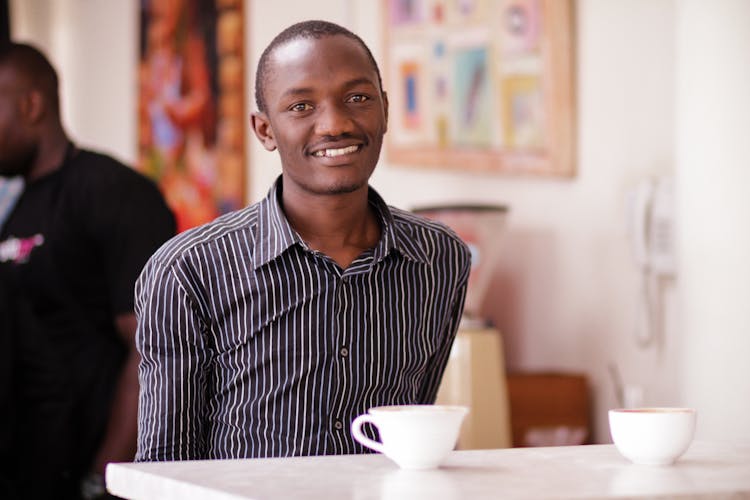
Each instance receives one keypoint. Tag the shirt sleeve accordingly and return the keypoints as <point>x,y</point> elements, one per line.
<point>173,369</point>
<point>439,360</point>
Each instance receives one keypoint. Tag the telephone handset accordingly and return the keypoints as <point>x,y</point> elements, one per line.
<point>653,240</point>
<point>640,213</point>
<point>653,235</point>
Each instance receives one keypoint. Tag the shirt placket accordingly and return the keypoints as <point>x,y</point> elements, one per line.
<point>341,354</point>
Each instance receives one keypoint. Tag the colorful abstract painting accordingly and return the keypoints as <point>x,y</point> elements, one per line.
<point>482,84</point>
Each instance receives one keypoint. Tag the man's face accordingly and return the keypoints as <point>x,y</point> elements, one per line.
<point>326,114</point>
<point>17,148</point>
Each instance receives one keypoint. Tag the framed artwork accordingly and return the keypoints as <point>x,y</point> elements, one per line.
<point>191,105</point>
<point>481,85</point>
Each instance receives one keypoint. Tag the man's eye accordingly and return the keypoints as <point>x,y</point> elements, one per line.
<point>359,98</point>
<point>301,106</point>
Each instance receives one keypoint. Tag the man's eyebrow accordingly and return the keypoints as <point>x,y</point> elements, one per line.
<point>297,91</point>
<point>360,81</point>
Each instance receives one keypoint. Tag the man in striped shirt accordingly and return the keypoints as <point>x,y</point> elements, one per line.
<point>265,332</point>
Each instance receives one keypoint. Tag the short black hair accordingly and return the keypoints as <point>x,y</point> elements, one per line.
<point>306,29</point>
<point>34,66</point>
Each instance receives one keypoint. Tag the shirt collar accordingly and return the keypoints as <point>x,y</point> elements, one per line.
<point>395,236</point>
<point>274,235</point>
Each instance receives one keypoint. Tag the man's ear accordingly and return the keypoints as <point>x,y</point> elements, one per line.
<point>33,105</point>
<point>263,130</point>
<point>385,109</point>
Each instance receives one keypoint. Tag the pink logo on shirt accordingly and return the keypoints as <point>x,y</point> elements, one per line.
<point>17,250</point>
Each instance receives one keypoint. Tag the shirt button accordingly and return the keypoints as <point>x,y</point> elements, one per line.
<point>338,425</point>
<point>344,351</point>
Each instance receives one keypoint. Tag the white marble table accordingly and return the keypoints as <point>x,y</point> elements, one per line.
<point>707,470</point>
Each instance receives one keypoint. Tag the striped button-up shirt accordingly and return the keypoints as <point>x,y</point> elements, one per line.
<point>254,345</point>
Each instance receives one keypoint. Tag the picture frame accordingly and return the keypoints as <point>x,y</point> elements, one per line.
<point>481,85</point>
<point>191,105</point>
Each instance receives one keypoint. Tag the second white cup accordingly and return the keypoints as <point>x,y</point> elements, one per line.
<point>652,436</point>
<point>413,436</point>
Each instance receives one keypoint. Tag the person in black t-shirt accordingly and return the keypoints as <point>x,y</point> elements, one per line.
<point>71,249</point>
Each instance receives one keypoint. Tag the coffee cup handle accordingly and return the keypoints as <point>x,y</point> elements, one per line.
<point>361,438</point>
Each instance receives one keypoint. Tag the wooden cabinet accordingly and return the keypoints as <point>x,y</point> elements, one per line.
<point>549,409</point>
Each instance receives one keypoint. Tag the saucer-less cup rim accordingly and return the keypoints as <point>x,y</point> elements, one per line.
<point>659,438</point>
<point>417,408</point>
<point>372,414</point>
<point>654,409</point>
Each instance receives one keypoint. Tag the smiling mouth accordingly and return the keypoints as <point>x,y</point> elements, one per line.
<point>333,153</point>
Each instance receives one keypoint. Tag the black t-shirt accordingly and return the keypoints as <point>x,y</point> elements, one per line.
<point>70,253</point>
<point>6,360</point>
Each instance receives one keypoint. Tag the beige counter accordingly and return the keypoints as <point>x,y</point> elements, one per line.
<point>707,470</point>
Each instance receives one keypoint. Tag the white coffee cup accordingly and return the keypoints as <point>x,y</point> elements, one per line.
<point>652,436</point>
<point>413,436</point>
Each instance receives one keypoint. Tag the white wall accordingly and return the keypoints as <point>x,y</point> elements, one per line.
<point>714,156</point>
<point>566,294</point>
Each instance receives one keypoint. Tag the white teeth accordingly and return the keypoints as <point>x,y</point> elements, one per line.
<point>331,153</point>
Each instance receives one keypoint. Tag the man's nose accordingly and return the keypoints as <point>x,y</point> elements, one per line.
<point>333,120</point>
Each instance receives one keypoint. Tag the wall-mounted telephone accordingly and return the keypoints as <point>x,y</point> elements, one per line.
<point>653,232</point>
<point>652,227</point>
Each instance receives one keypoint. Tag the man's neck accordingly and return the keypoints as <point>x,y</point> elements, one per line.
<point>339,226</point>
<point>51,154</point>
